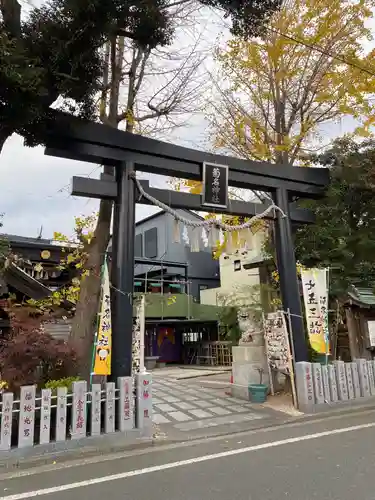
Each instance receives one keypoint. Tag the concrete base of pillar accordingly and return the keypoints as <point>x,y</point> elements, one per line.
<point>247,361</point>
<point>245,374</point>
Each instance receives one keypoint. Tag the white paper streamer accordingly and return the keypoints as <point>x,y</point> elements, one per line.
<point>195,240</point>
<point>213,237</point>
<point>176,231</point>
<point>185,235</point>
<point>229,243</point>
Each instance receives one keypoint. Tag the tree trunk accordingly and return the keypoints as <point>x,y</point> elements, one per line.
<point>85,318</point>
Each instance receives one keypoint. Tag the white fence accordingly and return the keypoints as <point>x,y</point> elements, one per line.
<point>46,417</point>
<point>319,385</point>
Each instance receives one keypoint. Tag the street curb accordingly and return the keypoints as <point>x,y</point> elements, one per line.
<point>19,459</point>
<point>19,463</point>
<point>188,377</point>
<point>107,445</point>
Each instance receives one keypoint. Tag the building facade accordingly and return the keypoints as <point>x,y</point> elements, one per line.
<point>239,272</point>
<point>173,267</point>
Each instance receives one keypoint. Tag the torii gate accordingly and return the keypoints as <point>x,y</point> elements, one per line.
<point>77,139</point>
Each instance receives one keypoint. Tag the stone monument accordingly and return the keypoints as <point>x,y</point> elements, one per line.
<point>249,357</point>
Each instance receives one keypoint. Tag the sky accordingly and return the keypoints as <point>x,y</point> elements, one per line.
<point>35,189</point>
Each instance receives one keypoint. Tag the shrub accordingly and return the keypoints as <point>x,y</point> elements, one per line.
<point>32,356</point>
<point>62,382</point>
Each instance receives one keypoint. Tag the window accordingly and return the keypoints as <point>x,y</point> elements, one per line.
<point>138,245</point>
<point>237,265</point>
<point>151,243</point>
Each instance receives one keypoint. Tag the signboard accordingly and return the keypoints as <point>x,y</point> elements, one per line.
<point>215,185</point>
<point>277,342</point>
<point>103,345</point>
<point>315,294</point>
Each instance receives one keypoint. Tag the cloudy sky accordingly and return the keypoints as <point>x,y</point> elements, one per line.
<point>35,189</point>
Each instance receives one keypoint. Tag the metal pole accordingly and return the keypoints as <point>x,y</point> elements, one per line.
<point>123,272</point>
<point>142,324</point>
<point>286,266</point>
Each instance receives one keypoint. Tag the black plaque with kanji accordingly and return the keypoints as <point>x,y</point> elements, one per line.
<point>215,185</point>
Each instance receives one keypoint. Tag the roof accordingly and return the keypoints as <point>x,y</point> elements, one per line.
<point>21,281</point>
<point>26,239</point>
<point>363,297</point>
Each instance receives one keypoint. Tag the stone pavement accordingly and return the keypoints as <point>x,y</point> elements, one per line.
<point>189,407</point>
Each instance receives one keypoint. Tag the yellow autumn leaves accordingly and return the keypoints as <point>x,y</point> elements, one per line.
<point>309,69</point>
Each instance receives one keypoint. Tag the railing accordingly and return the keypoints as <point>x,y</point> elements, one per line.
<point>43,418</point>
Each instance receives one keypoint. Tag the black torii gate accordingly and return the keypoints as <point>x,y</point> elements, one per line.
<point>76,139</point>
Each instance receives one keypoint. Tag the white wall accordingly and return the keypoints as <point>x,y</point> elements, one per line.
<point>231,279</point>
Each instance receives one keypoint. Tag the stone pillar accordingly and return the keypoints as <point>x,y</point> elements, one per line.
<point>318,383</point>
<point>363,378</point>
<point>305,386</point>
<point>349,378</point>
<point>327,393</point>
<point>332,383</point>
<point>355,377</point>
<point>342,385</point>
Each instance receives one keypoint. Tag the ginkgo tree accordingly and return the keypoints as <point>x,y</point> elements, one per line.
<point>308,69</point>
<point>274,96</point>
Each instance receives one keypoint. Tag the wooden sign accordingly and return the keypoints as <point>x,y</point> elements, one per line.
<point>215,185</point>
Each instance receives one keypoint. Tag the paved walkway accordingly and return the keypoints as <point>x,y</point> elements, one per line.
<point>188,407</point>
